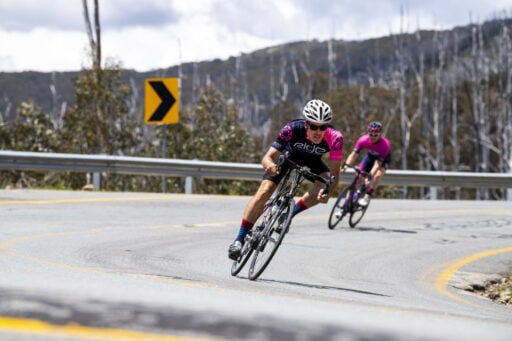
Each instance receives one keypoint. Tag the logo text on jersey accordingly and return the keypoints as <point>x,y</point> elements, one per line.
<point>310,148</point>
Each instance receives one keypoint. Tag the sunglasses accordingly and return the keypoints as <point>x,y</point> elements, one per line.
<point>374,135</point>
<point>315,127</point>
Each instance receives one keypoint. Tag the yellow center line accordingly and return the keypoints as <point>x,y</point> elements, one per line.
<point>82,200</point>
<point>31,326</point>
<point>445,276</point>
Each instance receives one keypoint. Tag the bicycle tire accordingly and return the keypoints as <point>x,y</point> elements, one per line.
<point>270,241</point>
<point>248,247</point>
<point>245,255</point>
<point>338,208</point>
<point>357,214</point>
<point>357,211</point>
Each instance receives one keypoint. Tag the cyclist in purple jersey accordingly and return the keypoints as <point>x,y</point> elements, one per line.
<point>376,160</point>
<point>307,140</point>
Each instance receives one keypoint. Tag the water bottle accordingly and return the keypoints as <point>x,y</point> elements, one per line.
<point>356,195</point>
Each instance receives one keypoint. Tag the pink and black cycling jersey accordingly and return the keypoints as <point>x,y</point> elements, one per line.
<point>376,151</point>
<point>293,137</point>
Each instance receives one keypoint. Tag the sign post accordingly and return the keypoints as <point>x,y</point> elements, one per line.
<point>161,106</point>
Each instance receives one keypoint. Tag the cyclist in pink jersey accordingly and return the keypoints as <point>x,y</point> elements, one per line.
<point>306,140</point>
<point>376,160</point>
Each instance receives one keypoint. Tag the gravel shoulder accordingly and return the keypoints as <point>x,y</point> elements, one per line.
<point>499,291</point>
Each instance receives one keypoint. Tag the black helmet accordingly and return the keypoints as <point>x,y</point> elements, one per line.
<point>374,127</point>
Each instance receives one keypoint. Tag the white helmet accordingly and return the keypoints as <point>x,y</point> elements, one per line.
<point>317,111</point>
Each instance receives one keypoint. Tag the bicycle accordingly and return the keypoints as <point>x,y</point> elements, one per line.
<point>262,242</point>
<point>347,201</point>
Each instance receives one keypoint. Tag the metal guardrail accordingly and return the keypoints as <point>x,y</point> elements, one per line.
<point>34,161</point>
<point>127,165</point>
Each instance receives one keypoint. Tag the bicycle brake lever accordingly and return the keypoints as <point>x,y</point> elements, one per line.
<point>329,184</point>
<point>281,159</point>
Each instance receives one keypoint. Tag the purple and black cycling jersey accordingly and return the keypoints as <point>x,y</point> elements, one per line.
<point>293,137</point>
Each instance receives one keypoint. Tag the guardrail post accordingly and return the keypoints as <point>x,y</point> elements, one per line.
<point>433,193</point>
<point>96,181</point>
<point>189,182</point>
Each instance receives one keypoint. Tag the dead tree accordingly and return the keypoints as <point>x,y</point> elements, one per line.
<point>454,139</point>
<point>94,40</point>
<point>504,121</point>
<point>95,46</point>
<point>479,79</point>
<point>331,58</point>
<point>401,79</point>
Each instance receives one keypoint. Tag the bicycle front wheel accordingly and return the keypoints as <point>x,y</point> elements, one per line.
<point>270,240</point>
<point>338,210</point>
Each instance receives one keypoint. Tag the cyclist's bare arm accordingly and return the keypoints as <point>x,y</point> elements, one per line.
<point>350,161</point>
<point>334,167</point>
<point>268,161</point>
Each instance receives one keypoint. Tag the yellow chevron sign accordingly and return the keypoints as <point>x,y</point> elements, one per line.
<point>161,100</point>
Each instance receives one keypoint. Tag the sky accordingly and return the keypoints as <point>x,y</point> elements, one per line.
<point>50,35</point>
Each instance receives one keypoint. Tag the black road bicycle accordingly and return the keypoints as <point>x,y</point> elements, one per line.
<point>347,202</point>
<point>262,242</point>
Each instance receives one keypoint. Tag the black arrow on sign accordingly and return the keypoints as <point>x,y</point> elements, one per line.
<point>167,98</point>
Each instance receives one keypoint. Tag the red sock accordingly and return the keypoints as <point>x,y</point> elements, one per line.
<point>299,207</point>
<point>245,227</point>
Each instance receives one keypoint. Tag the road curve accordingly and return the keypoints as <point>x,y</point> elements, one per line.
<point>141,266</point>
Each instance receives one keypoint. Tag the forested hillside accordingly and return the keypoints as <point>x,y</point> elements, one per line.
<point>444,97</point>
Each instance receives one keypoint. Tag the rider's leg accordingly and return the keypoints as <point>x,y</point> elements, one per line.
<point>309,199</point>
<point>377,174</point>
<point>255,207</point>
<point>367,165</point>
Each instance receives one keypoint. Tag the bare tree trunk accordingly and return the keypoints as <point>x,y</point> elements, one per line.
<point>436,131</point>
<point>271,76</point>
<point>404,128</point>
<point>507,141</point>
<point>331,58</point>
<point>363,106</point>
<point>504,121</point>
<point>98,33</point>
<point>94,42</point>
<point>196,83</point>
<point>454,139</point>
<point>349,66</point>
<point>88,29</point>
<point>479,81</point>
<point>4,116</point>
<point>95,45</point>
<point>307,90</point>
<point>439,105</point>
<point>283,85</point>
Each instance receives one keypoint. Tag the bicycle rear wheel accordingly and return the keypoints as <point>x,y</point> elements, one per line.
<point>270,241</point>
<point>338,211</point>
<point>357,214</point>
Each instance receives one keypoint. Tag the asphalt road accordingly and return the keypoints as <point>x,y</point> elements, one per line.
<point>139,266</point>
